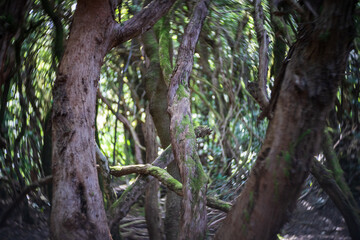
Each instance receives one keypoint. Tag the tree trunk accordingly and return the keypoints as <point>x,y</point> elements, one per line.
<point>194,180</point>
<point>311,76</point>
<point>77,207</point>
<point>152,213</point>
<point>156,77</point>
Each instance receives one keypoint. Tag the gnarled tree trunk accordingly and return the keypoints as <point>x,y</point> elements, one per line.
<point>306,92</point>
<point>194,180</point>
<point>77,207</point>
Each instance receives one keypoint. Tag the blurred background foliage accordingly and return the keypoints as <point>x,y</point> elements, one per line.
<point>226,60</point>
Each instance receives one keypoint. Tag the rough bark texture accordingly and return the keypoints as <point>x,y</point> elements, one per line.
<point>156,79</point>
<point>193,217</point>
<point>306,95</point>
<point>77,208</point>
<point>263,40</point>
<point>141,22</point>
<point>152,212</point>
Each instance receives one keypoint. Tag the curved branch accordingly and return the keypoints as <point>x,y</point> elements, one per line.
<point>122,206</point>
<point>263,40</point>
<point>164,177</point>
<point>141,22</point>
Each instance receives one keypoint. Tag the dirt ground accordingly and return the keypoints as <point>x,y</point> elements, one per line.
<point>315,217</point>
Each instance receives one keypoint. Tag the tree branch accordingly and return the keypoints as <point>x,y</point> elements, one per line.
<point>258,89</point>
<point>141,22</point>
<point>193,177</point>
<point>127,124</point>
<point>122,206</point>
<point>164,177</point>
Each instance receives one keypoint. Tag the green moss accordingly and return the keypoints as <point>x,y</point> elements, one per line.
<point>200,180</point>
<point>287,156</point>
<point>166,177</point>
<point>121,198</point>
<point>246,215</point>
<point>286,171</point>
<point>224,205</point>
<point>164,48</point>
<point>182,92</point>
<point>251,199</point>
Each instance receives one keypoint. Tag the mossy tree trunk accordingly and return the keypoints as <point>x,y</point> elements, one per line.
<point>157,78</point>
<point>304,97</point>
<point>194,180</point>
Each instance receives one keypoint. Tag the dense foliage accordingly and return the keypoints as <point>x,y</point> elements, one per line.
<point>225,62</point>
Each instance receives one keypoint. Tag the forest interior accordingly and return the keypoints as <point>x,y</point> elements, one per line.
<point>165,119</point>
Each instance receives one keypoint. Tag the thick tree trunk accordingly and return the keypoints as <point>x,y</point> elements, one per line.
<point>314,68</point>
<point>77,207</point>
<point>194,180</point>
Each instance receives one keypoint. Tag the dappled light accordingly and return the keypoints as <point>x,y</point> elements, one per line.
<point>222,119</point>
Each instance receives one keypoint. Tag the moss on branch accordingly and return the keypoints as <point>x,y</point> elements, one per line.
<point>164,177</point>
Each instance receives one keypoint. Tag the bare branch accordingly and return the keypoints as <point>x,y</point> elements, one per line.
<point>263,40</point>
<point>141,22</point>
<point>127,124</point>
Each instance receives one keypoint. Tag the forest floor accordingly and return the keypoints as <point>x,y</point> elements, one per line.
<point>315,217</point>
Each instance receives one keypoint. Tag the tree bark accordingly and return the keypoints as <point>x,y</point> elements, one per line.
<point>77,207</point>
<point>194,180</point>
<point>306,94</point>
<point>156,80</point>
<point>122,206</point>
<point>152,212</point>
